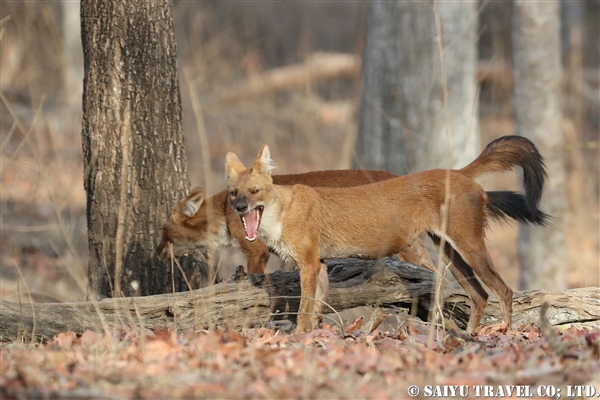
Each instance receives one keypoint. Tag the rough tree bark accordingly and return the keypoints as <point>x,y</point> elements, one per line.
<point>255,301</point>
<point>134,159</point>
<point>402,120</point>
<point>536,37</point>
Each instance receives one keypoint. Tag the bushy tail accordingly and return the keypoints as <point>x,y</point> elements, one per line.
<point>505,204</point>
<point>507,152</point>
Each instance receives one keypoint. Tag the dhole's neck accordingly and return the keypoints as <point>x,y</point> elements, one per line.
<point>271,225</point>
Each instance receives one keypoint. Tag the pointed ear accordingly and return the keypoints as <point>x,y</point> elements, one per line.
<point>189,206</point>
<point>262,163</point>
<point>233,166</point>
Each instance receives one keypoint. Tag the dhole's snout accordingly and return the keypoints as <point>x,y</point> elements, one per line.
<point>240,205</point>
<point>164,252</point>
<point>161,250</point>
<point>250,217</point>
<point>177,248</point>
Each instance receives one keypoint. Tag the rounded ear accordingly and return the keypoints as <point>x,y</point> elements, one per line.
<point>262,163</point>
<point>233,166</point>
<point>189,206</point>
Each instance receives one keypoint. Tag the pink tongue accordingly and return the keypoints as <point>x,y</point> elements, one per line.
<point>251,224</point>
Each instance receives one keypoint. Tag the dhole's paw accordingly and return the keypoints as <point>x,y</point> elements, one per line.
<point>305,324</point>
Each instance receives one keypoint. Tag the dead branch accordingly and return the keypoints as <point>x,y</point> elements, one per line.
<point>318,67</point>
<point>322,66</point>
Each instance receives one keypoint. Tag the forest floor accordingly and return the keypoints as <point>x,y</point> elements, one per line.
<point>261,363</point>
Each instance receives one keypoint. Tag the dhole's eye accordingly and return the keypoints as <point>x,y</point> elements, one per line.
<point>254,191</point>
<point>233,192</point>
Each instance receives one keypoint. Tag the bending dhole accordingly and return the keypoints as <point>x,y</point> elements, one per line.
<point>202,224</point>
<point>307,225</point>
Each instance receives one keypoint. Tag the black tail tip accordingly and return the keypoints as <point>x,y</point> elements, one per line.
<point>502,205</point>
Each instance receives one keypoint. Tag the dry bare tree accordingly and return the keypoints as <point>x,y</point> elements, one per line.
<point>419,103</point>
<point>404,125</point>
<point>536,44</point>
<point>134,159</point>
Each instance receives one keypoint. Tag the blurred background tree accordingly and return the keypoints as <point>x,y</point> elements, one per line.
<point>418,107</point>
<point>538,115</point>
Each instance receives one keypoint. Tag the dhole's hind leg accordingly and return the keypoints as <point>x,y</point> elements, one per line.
<point>503,292</point>
<point>464,275</point>
<point>475,255</point>
<point>468,281</point>
<point>417,254</point>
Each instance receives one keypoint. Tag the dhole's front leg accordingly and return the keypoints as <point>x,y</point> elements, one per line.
<point>257,254</point>
<point>322,291</point>
<point>314,287</point>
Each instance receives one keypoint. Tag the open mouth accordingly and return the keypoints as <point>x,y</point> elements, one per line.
<point>251,223</point>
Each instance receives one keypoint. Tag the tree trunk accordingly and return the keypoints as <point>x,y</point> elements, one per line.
<point>134,159</point>
<point>405,124</point>
<point>536,46</point>
<point>255,301</point>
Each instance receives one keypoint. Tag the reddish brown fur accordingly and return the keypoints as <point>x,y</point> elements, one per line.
<point>307,224</point>
<point>216,225</point>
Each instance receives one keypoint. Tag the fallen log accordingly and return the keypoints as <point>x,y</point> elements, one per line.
<point>257,299</point>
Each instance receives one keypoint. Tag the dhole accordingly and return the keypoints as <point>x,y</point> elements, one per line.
<point>202,224</point>
<point>307,225</point>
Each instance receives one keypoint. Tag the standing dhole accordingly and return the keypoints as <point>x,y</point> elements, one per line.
<point>201,224</point>
<point>307,225</point>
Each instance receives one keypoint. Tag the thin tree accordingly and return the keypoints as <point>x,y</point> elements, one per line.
<point>405,125</point>
<point>419,102</point>
<point>134,159</point>
<point>536,44</point>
